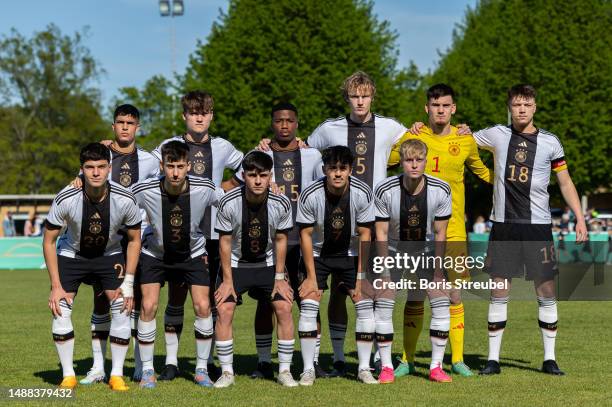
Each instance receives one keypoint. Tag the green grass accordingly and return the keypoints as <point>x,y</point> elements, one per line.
<point>28,358</point>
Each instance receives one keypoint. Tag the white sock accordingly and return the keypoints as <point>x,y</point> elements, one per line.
<point>383,314</point>
<point>307,330</point>
<point>285,354</point>
<point>364,331</point>
<point>173,326</point>
<point>134,315</point>
<point>146,342</point>
<point>498,315</point>
<point>264,347</point>
<point>100,326</point>
<point>547,319</point>
<point>63,336</point>
<point>438,329</point>
<point>119,336</point>
<point>225,353</point>
<point>203,328</point>
<point>337,333</point>
<point>317,348</point>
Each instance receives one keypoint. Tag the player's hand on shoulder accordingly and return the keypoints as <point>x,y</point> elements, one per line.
<point>224,291</point>
<point>463,129</point>
<point>106,143</point>
<point>264,144</point>
<point>274,188</point>
<point>416,128</point>
<point>57,293</point>
<point>301,143</point>
<point>282,288</point>
<point>77,183</point>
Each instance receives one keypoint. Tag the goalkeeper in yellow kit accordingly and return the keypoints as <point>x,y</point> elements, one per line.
<point>448,154</point>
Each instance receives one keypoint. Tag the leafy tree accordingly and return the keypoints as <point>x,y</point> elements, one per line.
<point>49,109</point>
<point>260,53</point>
<point>561,49</point>
<point>160,111</point>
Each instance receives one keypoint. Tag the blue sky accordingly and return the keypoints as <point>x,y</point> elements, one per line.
<point>132,42</point>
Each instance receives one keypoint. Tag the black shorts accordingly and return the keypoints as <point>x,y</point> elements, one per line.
<point>344,270</point>
<point>292,263</point>
<point>190,272</point>
<point>260,279</point>
<point>521,250</point>
<point>108,271</point>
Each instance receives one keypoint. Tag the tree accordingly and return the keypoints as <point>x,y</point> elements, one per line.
<point>49,109</point>
<point>261,53</point>
<point>160,113</point>
<point>561,49</point>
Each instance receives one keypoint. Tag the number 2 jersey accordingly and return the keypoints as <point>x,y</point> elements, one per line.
<point>175,233</point>
<point>447,158</point>
<point>335,219</point>
<point>411,217</point>
<point>370,142</point>
<point>253,227</point>
<point>522,172</point>
<point>92,227</point>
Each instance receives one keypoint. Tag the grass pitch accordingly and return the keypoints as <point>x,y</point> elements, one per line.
<point>28,358</point>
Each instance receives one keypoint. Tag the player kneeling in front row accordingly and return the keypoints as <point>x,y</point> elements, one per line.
<point>334,214</point>
<point>174,250</point>
<point>416,207</point>
<point>252,223</point>
<point>90,250</point>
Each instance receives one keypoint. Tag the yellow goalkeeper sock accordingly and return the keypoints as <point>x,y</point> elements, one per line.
<point>456,332</point>
<point>413,325</point>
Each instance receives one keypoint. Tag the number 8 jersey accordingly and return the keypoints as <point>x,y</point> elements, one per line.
<point>522,172</point>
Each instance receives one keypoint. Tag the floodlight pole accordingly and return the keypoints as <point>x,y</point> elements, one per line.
<point>172,8</point>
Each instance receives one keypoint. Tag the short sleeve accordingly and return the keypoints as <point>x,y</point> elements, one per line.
<point>485,138</point>
<point>318,168</point>
<point>223,223</point>
<point>317,138</point>
<point>305,215</point>
<point>557,161</point>
<point>366,210</point>
<point>234,158</point>
<point>57,215</point>
<point>444,208</point>
<point>132,218</point>
<point>286,220</point>
<point>398,130</point>
<point>381,208</point>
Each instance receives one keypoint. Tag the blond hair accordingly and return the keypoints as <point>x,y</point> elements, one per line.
<point>413,148</point>
<point>358,81</point>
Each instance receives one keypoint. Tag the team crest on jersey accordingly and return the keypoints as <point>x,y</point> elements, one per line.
<point>338,222</point>
<point>413,220</point>
<point>521,156</point>
<point>95,225</point>
<point>176,217</point>
<point>454,149</point>
<point>125,178</point>
<point>288,174</point>
<point>361,147</point>
<point>254,229</point>
<point>199,167</point>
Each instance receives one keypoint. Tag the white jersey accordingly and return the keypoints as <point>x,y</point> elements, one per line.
<point>411,217</point>
<point>175,233</point>
<point>130,168</point>
<point>253,228</point>
<point>335,219</point>
<point>522,172</point>
<point>209,160</point>
<point>371,143</point>
<point>293,171</point>
<point>92,227</point>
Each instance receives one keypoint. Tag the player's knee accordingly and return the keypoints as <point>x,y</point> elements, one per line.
<point>61,327</point>
<point>225,313</point>
<point>201,307</point>
<point>148,309</point>
<point>282,309</point>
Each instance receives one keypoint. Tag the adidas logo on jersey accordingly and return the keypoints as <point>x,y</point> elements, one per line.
<point>125,166</point>
<point>95,216</point>
<point>255,221</point>
<point>288,162</point>
<point>337,210</point>
<point>361,135</point>
<point>199,154</point>
<point>523,144</point>
<point>176,208</point>
<point>413,209</point>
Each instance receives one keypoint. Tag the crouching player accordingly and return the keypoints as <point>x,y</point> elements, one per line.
<point>90,250</point>
<point>253,223</point>
<point>416,207</point>
<point>334,215</point>
<point>174,250</point>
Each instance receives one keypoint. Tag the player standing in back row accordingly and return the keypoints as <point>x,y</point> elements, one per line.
<point>521,239</point>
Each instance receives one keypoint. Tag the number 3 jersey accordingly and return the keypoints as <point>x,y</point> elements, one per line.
<point>335,219</point>
<point>92,226</point>
<point>253,227</point>
<point>370,142</point>
<point>175,233</point>
<point>522,172</point>
<point>411,217</point>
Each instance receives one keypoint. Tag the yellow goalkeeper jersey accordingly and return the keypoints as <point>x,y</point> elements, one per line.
<point>447,157</point>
